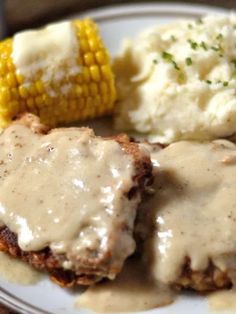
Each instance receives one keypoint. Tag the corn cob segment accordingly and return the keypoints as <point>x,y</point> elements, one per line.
<point>86,93</point>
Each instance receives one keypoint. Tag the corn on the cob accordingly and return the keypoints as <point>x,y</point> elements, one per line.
<point>91,92</point>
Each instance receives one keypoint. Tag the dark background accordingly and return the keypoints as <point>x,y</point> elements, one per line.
<point>21,14</point>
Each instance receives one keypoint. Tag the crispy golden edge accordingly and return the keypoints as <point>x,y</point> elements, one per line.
<point>210,279</point>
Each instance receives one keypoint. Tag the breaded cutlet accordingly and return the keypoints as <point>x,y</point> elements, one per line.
<point>94,264</point>
<point>185,226</point>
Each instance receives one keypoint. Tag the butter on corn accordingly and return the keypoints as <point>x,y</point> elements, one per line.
<point>61,73</point>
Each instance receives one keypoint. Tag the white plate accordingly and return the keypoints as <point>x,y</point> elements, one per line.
<point>116,23</point>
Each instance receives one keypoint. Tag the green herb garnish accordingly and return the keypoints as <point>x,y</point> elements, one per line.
<point>176,65</point>
<point>203,45</point>
<point>234,62</point>
<point>208,82</point>
<point>173,38</point>
<point>155,61</point>
<point>193,44</point>
<point>181,77</point>
<point>215,48</point>
<point>199,21</point>
<point>188,61</point>
<point>167,56</point>
<point>225,83</point>
<point>219,37</point>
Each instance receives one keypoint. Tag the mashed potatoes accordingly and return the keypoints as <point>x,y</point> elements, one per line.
<point>178,81</point>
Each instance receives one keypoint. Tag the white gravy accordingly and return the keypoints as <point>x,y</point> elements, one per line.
<point>223,300</point>
<point>194,207</point>
<point>66,190</point>
<point>82,181</point>
<point>133,290</point>
<point>17,271</point>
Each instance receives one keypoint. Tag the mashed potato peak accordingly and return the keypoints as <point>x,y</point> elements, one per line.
<point>178,81</point>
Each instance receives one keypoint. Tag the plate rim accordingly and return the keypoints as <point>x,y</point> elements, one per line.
<point>111,12</point>
<point>143,8</point>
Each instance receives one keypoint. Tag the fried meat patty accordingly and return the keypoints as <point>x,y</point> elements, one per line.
<point>149,223</point>
<point>94,269</point>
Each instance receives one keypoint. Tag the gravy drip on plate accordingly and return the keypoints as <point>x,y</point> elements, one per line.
<point>16,271</point>
<point>133,290</point>
<point>194,207</point>
<point>67,190</point>
<point>222,300</point>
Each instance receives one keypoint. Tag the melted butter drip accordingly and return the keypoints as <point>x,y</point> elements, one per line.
<point>54,54</point>
<point>133,290</point>
<point>18,272</point>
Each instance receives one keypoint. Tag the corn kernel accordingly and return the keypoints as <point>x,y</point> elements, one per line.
<point>39,101</point>
<point>39,86</point>
<point>30,103</point>
<point>32,90</point>
<point>103,88</point>
<point>3,109</point>
<point>93,44</point>
<point>81,103</point>
<point>10,66</point>
<point>93,88</point>
<point>3,69</point>
<point>14,106</point>
<point>85,112</point>
<point>84,45</point>
<point>23,107</point>
<point>20,78</point>
<point>89,102</point>
<point>105,99</point>
<point>78,90</point>
<point>4,95</point>
<point>91,112</point>
<point>106,72</point>
<point>85,90</point>
<point>11,80</point>
<point>79,79</point>
<point>23,92</point>
<point>15,93</point>
<point>101,57</point>
<point>82,30</point>
<point>89,58</point>
<point>47,100</point>
<point>95,74</point>
<point>109,104</point>
<point>73,105</point>
<point>86,74</point>
<point>80,60</point>
<point>4,121</point>
<point>99,111</point>
<point>91,32</point>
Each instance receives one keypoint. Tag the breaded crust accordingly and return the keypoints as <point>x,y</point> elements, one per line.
<point>210,279</point>
<point>92,270</point>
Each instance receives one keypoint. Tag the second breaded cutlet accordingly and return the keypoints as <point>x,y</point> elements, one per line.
<point>187,224</point>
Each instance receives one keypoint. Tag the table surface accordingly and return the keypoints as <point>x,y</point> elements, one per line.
<point>38,12</point>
